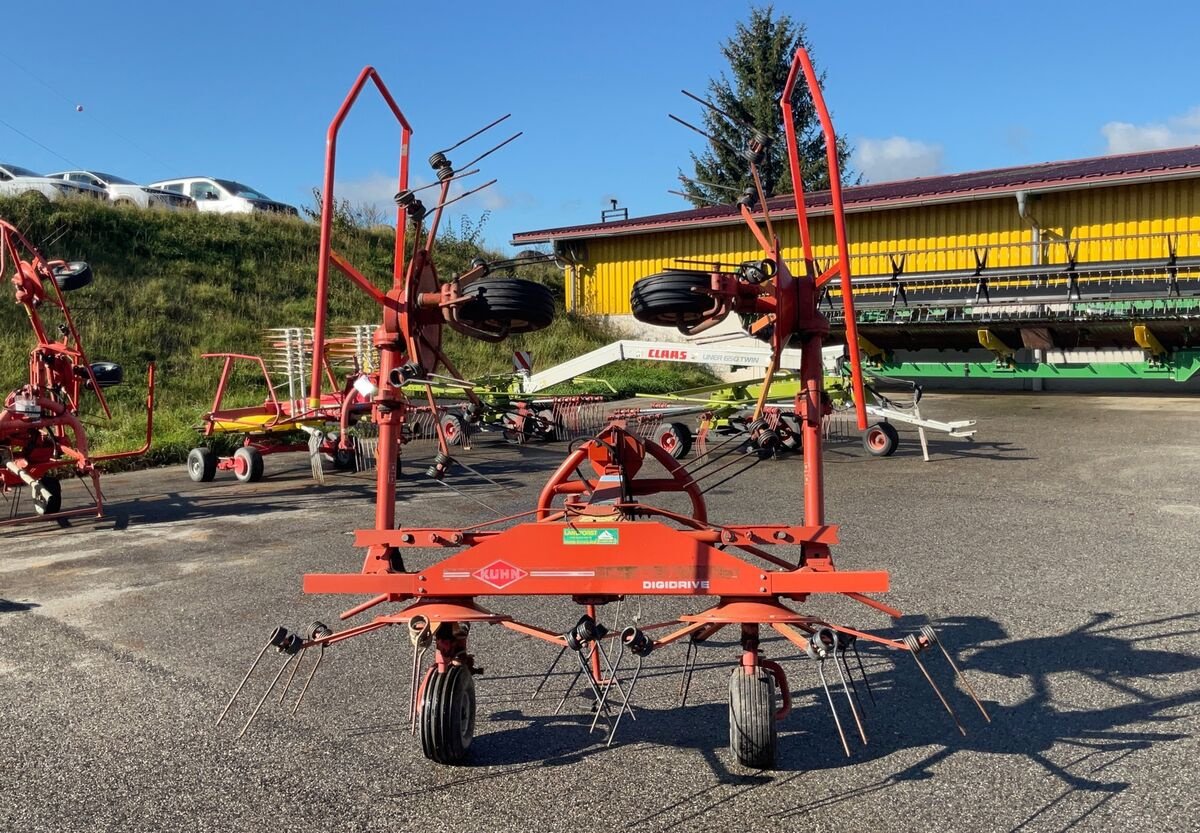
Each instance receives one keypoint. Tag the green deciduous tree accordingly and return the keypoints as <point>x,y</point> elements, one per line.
<point>759,55</point>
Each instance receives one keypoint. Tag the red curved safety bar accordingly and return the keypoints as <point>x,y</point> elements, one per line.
<point>327,205</point>
<point>801,62</point>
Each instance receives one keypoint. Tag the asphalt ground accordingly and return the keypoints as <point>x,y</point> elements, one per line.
<point>1057,555</point>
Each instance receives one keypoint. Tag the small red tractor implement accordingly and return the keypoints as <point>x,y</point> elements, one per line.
<point>278,423</point>
<point>595,534</point>
<point>41,433</point>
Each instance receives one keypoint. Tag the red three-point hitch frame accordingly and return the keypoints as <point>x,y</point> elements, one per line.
<point>596,535</point>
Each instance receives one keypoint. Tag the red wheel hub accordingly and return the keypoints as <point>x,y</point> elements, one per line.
<point>668,440</point>
<point>876,438</point>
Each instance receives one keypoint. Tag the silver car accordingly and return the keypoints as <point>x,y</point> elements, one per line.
<point>126,192</point>
<point>15,181</point>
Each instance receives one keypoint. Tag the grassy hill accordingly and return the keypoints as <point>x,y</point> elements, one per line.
<point>175,285</point>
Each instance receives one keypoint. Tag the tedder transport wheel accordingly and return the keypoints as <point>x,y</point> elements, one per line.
<point>52,504</point>
<point>454,427</point>
<point>881,439</point>
<point>507,306</point>
<point>674,298</point>
<point>248,464</point>
<point>72,276</point>
<point>201,465</point>
<point>448,715</point>
<point>676,439</point>
<point>789,434</point>
<point>752,733</point>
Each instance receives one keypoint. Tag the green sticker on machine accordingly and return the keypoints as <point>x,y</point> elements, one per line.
<point>602,535</point>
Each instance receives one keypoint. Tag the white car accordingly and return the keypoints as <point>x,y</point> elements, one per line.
<point>124,192</point>
<point>15,181</point>
<point>223,196</point>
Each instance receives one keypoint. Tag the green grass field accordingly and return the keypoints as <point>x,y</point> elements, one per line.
<point>173,285</point>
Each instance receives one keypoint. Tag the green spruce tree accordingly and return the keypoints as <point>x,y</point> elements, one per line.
<point>760,55</point>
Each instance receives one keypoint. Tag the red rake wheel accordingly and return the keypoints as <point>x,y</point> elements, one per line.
<point>881,439</point>
<point>454,427</point>
<point>248,464</point>
<point>675,439</point>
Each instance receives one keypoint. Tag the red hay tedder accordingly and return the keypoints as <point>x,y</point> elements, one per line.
<point>41,434</point>
<point>593,536</point>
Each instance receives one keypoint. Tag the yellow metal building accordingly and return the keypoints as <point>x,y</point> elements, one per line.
<point>1116,208</point>
<point>1138,213</point>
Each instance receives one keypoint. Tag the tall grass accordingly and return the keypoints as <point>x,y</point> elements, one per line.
<point>174,285</point>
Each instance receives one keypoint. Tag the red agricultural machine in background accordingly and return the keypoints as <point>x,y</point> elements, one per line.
<point>41,434</point>
<point>593,537</point>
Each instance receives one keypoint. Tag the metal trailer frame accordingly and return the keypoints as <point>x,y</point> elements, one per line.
<point>40,430</point>
<point>604,542</point>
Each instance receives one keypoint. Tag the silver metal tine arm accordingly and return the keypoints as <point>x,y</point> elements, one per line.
<point>914,648</point>
<point>932,636</point>
<point>266,694</point>
<point>484,129</point>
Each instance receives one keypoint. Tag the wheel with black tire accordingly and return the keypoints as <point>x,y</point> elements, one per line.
<point>547,426</point>
<point>107,374</point>
<point>881,439</point>
<point>454,427</point>
<point>753,737</point>
<point>51,501</point>
<point>201,465</point>
<point>248,464</point>
<point>675,438</point>
<point>675,298</point>
<point>506,306</point>
<point>789,434</point>
<point>72,276</point>
<point>344,458</point>
<point>447,716</point>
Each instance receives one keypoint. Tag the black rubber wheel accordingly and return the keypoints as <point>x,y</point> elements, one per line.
<point>53,503</point>
<point>75,275</point>
<point>675,438</point>
<point>881,439</point>
<point>454,426</point>
<point>344,458</point>
<point>448,715</point>
<point>252,464</point>
<point>789,434</point>
<point>674,298</point>
<point>753,738</point>
<point>201,465</point>
<point>107,374</point>
<point>547,428</point>
<point>507,306</point>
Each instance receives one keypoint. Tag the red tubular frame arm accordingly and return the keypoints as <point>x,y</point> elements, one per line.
<point>327,203</point>
<point>801,62</point>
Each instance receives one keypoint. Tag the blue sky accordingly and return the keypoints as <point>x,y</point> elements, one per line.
<point>245,90</point>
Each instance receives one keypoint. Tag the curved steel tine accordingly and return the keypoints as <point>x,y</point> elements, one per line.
<point>849,699</point>
<point>863,671</point>
<point>549,671</point>
<point>938,692</point>
<point>689,665</point>
<point>570,688</point>
<point>483,129</point>
<point>292,676</point>
<point>957,672</point>
<point>311,674</point>
<point>266,694</point>
<point>612,678</point>
<point>837,721</point>
<point>632,685</point>
<point>242,684</point>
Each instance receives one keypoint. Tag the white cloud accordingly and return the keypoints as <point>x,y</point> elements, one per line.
<point>1176,131</point>
<point>379,190</point>
<point>886,160</point>
<point>375,189</point>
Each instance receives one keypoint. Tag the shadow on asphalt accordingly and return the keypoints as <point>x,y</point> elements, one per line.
<point>1103,656</point>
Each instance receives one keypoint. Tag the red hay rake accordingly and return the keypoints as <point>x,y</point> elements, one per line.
<point>592,537</point>
<point>41,434</point>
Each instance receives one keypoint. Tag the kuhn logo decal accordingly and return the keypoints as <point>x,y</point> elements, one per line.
<point>660,353</point>
<point>499,574</point>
